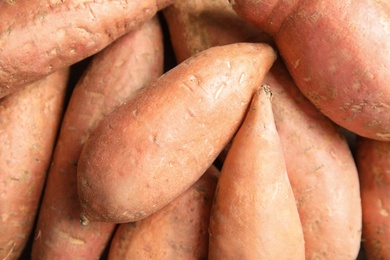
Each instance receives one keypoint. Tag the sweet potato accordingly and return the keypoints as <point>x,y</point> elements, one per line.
<point>197,25</point>
<point>338,53</point>
<point>39,36</point>
<point>113,77</point>
<point>177,231</point>
<point>321,170</point>
<point>322,173</point>
<point>373,161</point>
<point>254,215</point>
<point>153,148</point>
<point>29,124</point>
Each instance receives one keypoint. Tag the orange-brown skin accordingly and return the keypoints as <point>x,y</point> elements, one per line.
<point>29,124</point>
<point>373,162</point>
<point>200,24</point>
<point>113,77</point>
<point>254,215</point>
<point>338,53</point>
<point>321,168</point>
<point>39,36</point>
<point>177,231</point>
<point>153,148</point>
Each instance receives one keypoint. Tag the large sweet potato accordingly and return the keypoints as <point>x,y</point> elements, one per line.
<point>113,77</point>
<point>39,36</point>
<point>338,53</point>
<point>154,147</point>
<point>29,123</point>
<point>322,172</point>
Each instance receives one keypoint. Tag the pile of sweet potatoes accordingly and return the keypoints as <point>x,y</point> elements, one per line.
<point>174,129</point>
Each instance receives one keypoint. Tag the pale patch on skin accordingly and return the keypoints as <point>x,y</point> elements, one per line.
<point>38,235</point>
<point>241,79</point>
<point>385,136</point>
<point>4,217</point>
<point>13,244</point>
<point>135,112</point>
<point>220,90</point>
<point>296,63</point>
<point>384,212</point>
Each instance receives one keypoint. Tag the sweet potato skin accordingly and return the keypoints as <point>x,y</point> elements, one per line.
<point>338,67</point>
<point>159,144</point>
<point>197,25</point>
<point>29,124</point>
<point>321,170</point>
<point>373,162</point>
<point>37,37</point>
<point>113,77</point>
<point>254,215</point>
<point>177,231</point>
<point>326,181</point>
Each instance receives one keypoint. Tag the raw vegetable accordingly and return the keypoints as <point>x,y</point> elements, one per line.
<point>373,161</point>
<point>40,36</point>
<point>113,77</point>
<point>155,147</point>
<point>319,163</point>
<point>254,215</point>
<point>338,53</point>
<point>197,25</point>
<point>29,122</point>
<point>321,170</point>
<point>177,231</point>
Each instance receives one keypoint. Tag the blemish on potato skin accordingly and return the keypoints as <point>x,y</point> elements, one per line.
<point>385,136</point>
<point>241,79</point>
<point>12,246</point>
<point>73,240</point>
<point>135,113</point>
<point>38,236</point>
<point>383,211</point>
<point>4,217</point>
<point>296,64</point>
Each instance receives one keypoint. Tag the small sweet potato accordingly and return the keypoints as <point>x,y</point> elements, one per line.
<point>338,53</point>
<point>254,215</point>
<point>29,122</point>
<point>373,161</point>
<point>151,149</point>
<point>38,37</point>
<point>113,77</point>
<point>177,231</point>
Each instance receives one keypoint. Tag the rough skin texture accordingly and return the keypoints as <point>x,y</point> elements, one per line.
<point>319,163</point>
<point>177,231</point>
<point>321,170</point>
<point>39,36</point>
<point>113,77</point>
<point>338,53</point>
<point>29,124</point>
<point>200,24</point>
<point>254,215</point>
<point>373,161</point>
<point>153,148</point>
